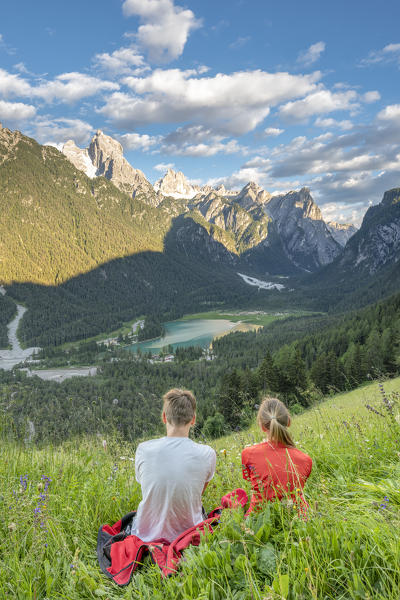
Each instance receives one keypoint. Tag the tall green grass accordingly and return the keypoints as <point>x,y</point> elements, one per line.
<point>347,549</point>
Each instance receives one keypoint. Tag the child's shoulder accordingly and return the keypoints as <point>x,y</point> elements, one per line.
<point>252,448</point>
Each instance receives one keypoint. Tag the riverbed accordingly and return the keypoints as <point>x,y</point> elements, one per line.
<point>17,354</point>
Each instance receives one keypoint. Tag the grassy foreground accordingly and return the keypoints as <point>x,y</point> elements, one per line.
<point>53,500</point>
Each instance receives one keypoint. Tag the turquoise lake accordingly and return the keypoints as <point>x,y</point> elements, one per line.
<point>198,332</point>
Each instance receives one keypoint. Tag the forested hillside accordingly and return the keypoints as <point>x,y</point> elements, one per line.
<point>298,359</point>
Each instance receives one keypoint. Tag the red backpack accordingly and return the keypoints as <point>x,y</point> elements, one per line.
<point>119,553</point>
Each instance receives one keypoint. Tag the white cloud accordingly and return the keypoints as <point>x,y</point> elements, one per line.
<point>163,167</point>
<point>370,97</point>
<point>230,147</point>
<point>137,141</point>
<point>121,62</point>
<point>320,102</point>
<point>263,164</point>
<point>16,111</point>
<point>390,113</point>
<point>230,104</point>
<point>389,54</point>
<point>13,85</point>
<point>72,87</point>
<point>58,131</point>
<point>67,87</point>
<point>273,131</point>
<point>196,140</point>
<point>165,27</point>
<point>342,213</point>
<point>346,170</point>
<point>332,123</point>
<point>239,178</point>
<point>312,54</point>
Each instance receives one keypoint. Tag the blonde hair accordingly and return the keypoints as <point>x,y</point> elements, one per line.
<point>179,406</point>
<point>275,418</point>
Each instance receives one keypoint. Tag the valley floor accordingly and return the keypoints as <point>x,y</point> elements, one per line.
<point>54,498</point>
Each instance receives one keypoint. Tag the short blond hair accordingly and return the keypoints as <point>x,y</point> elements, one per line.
<point>274,417</point>
<point>179,406</point>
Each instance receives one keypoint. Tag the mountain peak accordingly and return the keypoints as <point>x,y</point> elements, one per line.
<point>252,195</point>
<point>391,197</point>
<point>175,185</point>
<point>105,156</point>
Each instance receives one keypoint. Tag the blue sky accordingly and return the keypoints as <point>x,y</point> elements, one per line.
<point>287,94</point>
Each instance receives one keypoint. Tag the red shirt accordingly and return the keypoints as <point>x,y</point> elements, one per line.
<point>275,470</point>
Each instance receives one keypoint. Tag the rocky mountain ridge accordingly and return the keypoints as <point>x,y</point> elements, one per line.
<point>249,217</point>
<point>341,232</point>
<point>377,243</point>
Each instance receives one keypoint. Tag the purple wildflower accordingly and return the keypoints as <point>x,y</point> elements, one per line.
<point>372,409</point>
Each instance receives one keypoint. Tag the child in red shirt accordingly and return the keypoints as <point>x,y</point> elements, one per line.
<point>275,468</point>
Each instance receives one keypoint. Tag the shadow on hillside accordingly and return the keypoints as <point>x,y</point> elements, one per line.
<point>193,273</point>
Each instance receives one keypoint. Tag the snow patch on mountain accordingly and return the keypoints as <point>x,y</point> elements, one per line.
<point>262,285</point>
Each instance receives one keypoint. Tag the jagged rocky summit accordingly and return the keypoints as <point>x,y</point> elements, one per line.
<point>105,156</point>
<point>175,185</point>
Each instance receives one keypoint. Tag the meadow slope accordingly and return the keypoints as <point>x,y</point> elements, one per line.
<point>53,500</point>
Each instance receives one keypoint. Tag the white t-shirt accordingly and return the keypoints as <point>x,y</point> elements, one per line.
<point>172,472</point>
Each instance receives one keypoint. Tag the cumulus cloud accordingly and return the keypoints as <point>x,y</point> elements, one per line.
<point>16,112</point>
<point>163,167</point>
<point>312,54</point>
<point>137,141</point>
<point>121,62</point>
<point>165,27</point>
<point>346,170</point>
<point>370,97</point>
<point>197,140</point>
<point>319,102</point>
<point>261,163</point>
<point>239,178</point>
<point>72,87</point>
<point>58,131</point>
<point>230,147</point>
<point>231,104</point>
<point>273,131</point>
<point>13,85</point>
<point>389,54</point>
<point>333,123</point>
<point>67,87</point>
<point>390,113</point>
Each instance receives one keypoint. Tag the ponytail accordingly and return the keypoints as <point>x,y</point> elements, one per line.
<point>274,417</point>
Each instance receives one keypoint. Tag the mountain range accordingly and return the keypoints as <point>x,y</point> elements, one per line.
<point>85,235</point>
<point>290,223</point>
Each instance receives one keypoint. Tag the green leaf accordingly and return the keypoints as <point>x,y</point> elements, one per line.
<point>281,585</point>
<point>266,559</point>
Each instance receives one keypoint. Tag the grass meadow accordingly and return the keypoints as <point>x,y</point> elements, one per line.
<point>54,498</point>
